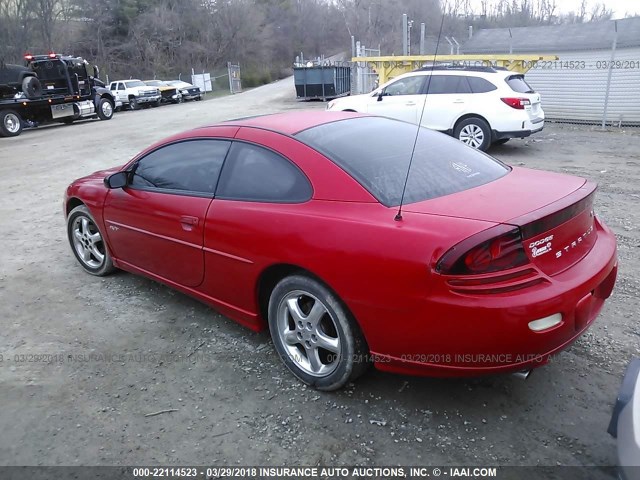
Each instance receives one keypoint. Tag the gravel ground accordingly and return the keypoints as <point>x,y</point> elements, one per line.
<point>118,348</point>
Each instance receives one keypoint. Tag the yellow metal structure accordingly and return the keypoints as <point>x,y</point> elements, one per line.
<point>391,66</point>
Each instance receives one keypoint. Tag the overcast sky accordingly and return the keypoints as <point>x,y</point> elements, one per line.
<point>619,7</point>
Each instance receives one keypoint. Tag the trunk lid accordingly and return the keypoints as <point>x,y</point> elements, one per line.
<point>554,213</point>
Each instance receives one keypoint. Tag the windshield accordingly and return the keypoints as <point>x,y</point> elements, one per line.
<point>376,151</point>
<point>154,83</point>
<point>134,83</point>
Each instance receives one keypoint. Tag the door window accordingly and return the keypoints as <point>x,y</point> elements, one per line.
<point>191,166</point>
<point>406,86</point>
<point>447,84</point>
<point>253,173</point>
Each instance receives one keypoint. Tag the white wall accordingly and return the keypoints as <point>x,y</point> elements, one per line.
<point>579,93</point>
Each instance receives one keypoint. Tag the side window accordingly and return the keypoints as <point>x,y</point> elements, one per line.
<point>253,173</point>
<point>480,85</point>
<point>113,86</point>
<point>519,84</point>
<point>447,84</point>
<point>121,86</point>
<point>193,166</point>
<point>406,86</point>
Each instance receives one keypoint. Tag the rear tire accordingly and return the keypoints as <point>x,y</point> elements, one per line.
<point>10,124</point>
<point>315,335</point>
<point>474,132</point>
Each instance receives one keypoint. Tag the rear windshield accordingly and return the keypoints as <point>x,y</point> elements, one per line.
<point>519,84</point>
<point>50,69</point>
<point>376,151</point>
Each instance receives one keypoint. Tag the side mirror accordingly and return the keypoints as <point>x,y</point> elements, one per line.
<point>117,180</point>
<point>380,95</point>
<point>96,71</point>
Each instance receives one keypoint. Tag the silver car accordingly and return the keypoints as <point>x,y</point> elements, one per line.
<point>625,423</point>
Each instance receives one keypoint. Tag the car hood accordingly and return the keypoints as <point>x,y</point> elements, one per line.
<point>516,194</point>
<point>98,176</point>
<point>145,89</point>
<point>344,102</point>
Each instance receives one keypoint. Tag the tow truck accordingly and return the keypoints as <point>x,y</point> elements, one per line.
<point>51,88</point>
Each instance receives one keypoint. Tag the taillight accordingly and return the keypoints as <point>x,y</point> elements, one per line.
<point>498,248</point>
<point>517,103</point>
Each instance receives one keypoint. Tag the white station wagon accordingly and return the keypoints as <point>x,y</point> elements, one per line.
<point>481,106</point>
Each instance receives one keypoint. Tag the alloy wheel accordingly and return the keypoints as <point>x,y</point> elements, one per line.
<point>88,242</point>
<point>308,333</point>
<point>11,123</point>
<point>472,135</point>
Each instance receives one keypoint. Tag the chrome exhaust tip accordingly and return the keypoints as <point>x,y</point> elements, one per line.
<point>522,374</point>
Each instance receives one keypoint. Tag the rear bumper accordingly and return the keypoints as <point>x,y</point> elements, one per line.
<point>536,127</point>
<point>455,334</point>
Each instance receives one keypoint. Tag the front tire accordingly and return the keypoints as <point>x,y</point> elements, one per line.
<point>10,124</point>
<point>314,334</point>
<point>133,103</point>
<point>105,109</point>
<point>87,242</point>
<point>474,132</point>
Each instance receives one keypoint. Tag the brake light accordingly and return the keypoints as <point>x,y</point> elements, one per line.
<point>52,55</point>
<point>28,56</point>
<point>496,249</point>
<point>517,103</point>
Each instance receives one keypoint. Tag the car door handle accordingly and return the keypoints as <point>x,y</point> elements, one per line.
<point>188,223</point>
<point>410,104</point>
<point>458,101</point>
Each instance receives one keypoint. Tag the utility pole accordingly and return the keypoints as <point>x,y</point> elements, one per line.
<point>405,34</point>
<point>409,24</point>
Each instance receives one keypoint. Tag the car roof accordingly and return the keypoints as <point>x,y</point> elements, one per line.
<point>290,123</point>
<point>286,123</point>
<point>492,74</point>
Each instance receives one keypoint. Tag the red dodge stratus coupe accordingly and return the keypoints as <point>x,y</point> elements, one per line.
<point>308,222</point>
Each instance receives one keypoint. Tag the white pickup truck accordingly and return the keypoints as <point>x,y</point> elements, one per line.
<point>135,93</point>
